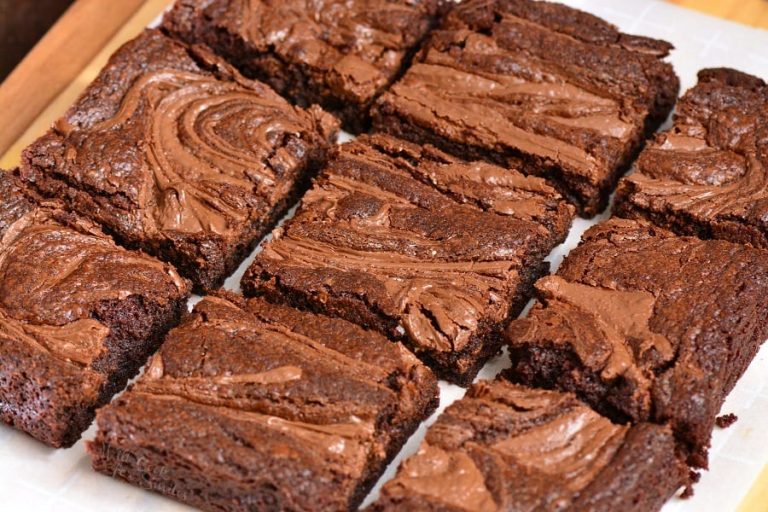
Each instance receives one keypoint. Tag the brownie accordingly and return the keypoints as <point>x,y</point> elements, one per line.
<point>505,447</point>
<point>78,315</point>
<point>425,248</point>
<point>172,151</point>
<point>647,326</point>
<point>335,53</point>
<point>707,175</point>
<point>255,406</point>
<point>550,90</point>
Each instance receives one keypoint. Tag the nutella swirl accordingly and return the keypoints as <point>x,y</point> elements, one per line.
<point>711,168</point>
<point>208,142</point>
<point>56,269</point>
<point>442,240</point>
<point>507,447</point>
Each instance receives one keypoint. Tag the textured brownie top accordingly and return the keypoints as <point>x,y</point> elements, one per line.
<point>561,87</point>
<point>356,48</point>
<point>507,447</point>
<point>676,319</point>
<point>56,270</point>
<point>171,143</point>
<point>253,394</point>
<point>708,174</point>
<point>430,242</point>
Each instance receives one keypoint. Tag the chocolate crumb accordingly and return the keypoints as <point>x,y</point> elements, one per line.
<point>726,420</point>
<point>693,477</point>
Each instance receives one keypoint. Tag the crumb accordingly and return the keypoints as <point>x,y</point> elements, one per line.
<point>693,477</point>
<point>726,420</point>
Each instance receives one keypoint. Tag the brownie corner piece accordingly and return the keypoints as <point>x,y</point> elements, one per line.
<point>256,406</point>
<point>173,151</point>
<point>508,447</point>
<point>337,54</point>
<point>551,90</point>
<point>78,315</point>
<point>418,245</point>
<point>705,176</point>
<point>647,326</point>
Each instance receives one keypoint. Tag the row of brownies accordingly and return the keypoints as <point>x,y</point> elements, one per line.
<point>494,122</point>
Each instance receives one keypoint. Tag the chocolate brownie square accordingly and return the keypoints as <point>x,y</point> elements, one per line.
<point>335,53</point>
<point>647,326</point>
<point>78,315</point>
<point>707,175</point>
<point>506,447</point>
<point>255,406</point>
<point>425,248</point>
<point>174,152</point>
<point>550,90</point>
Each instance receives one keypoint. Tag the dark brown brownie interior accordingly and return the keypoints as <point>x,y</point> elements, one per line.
<point>78,315</point>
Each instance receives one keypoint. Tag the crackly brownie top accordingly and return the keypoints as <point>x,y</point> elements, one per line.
<point>56,268</point>
<point>713,163</point>
<point>281,393</point>
<point>540,78</point>
<point>508,447</point>
<point>178,142</point>
<point>424,238</point>
<point>668,314</point>
<point>358,46</point>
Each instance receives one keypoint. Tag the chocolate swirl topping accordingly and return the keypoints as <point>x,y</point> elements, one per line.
<point>349,49</point>
<point>56,268</point>
<point>709,173</point>
<point>304,393</point>
<point>640,322</point>
<point>437,242</point>
<point>173,151</point>
<point>507,447</point>
<point>511,80</point>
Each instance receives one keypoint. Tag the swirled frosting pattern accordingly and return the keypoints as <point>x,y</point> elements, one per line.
<point>172,150</point>
<point>650,326</point>
<point>55,269</point>
<point>506,447</point>
<point>432,243</point>
<point>515,81</point>
<point>708,175</point>
<point>349,49</point>
<point>286,395</point>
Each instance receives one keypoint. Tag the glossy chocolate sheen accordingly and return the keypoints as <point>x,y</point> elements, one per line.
<point>336,53</point>
<point>647,326</point>
<point>175,152</point>
<point>545,88</point>
<point>63,347</point>
<point>420,245</point>
<point>506,447</point>
<point>254,406</point>
<point>708,175</point>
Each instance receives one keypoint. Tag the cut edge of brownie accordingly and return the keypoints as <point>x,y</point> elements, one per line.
<point>459,367</point>
<point>683,223</point>
<point>126,351</point>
